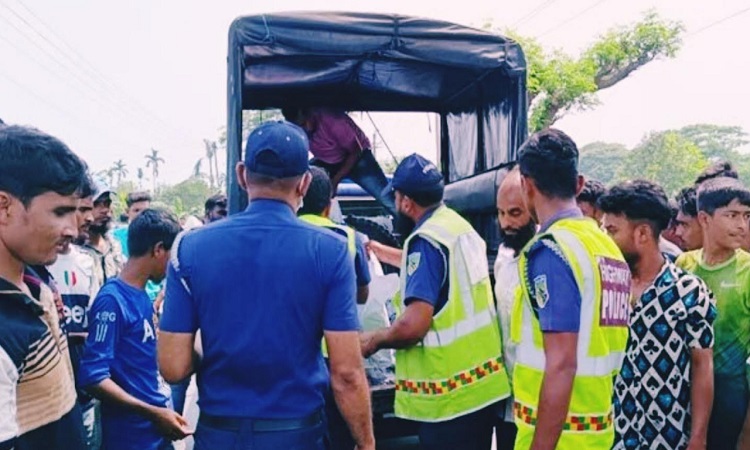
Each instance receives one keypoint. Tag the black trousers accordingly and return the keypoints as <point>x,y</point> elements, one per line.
<point>470,432</point>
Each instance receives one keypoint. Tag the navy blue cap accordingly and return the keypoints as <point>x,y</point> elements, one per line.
<point>415,174</point>
<point>277,149</point>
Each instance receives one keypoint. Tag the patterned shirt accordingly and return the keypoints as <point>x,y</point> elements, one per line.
<point>652,391</point>
<point>108,264</point>
<point>37,393</point>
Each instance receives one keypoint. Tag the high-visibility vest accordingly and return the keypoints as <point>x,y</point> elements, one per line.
<point>330,224</point>
<point>603,278</point>
<point>457,368</point>
<point>350,240</point>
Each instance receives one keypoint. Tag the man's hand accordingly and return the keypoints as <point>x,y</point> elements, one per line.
<point>384,253</point>
<point>370,342</point>
<point>364,447</point>
<point>170,424</point>
<point>695,445</point>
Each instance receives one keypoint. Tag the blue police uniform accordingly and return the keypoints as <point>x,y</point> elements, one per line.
<point>361,268</point>
<point>562,312</point>
<point>121,346</point>
<point>262,286</point>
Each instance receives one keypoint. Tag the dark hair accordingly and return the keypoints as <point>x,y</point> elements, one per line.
<point>33,163</point>
<point>687,201</point>
<point>88,187</point>
<point>719,192</point>
<point>318,196</point>
<point>137,197</point>
<point>718,169</point>
<point>591,192</point>
<point>213,201</point>
<point>550,158</point>
<point>426,199</point>
<point>151,227</point>
<point>639,201</point>
<point>291,114</point>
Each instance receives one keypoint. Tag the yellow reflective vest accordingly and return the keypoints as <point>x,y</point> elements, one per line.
<point>603,278</point>
<point>350,240</point>
<point>457,368</point>
<point>330,224</point>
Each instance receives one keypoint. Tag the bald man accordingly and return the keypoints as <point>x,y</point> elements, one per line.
<point>516,229</point>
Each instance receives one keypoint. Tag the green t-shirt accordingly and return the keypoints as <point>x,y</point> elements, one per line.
<point>730,283</point>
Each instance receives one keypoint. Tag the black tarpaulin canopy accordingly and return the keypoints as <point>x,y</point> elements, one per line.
<point>372,62</point>
<point>475,80</point>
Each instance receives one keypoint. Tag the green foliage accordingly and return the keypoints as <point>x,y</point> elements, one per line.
<point>559,83</point>
<point>666,158</point>
<point>716,141</point>
<point>187,196</point>
<point>601,161</point>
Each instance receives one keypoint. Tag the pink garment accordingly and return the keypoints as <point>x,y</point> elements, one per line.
<point>334,135</point>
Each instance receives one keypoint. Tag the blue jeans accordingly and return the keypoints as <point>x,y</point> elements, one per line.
<point>369,176</point>
<point>179,391</point>
<point>246,438</point>
<point>728,414</point>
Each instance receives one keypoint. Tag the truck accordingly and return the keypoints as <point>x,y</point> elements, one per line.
<point>473,81</point>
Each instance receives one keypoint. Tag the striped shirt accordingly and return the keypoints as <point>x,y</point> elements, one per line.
<point>36,376</point>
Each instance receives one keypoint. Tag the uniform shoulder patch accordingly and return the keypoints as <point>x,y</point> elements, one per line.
<point>412,262</point>
<point>541,293</point>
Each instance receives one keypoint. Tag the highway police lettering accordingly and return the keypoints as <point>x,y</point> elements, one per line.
<point>615,307</point>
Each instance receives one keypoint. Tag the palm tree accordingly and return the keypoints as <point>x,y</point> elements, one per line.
<point>119,171</point>
<point>210,153</point>
<point>140,174</point>
<point>197,168</point>
<point>153,160</point>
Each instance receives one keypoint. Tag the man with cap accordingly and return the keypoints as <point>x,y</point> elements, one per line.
<point>98,242</point>
<point>262,378</point>
<point>570,327</point>
<point>449,366</point>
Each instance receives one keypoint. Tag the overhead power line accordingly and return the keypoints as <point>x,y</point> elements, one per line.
<point>718,22</point>
<point>533,13</point>
<point>85,72</point>
<point>571,18</point>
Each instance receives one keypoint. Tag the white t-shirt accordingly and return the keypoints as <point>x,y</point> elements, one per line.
<point>506,283</point>
<point>76,281</point>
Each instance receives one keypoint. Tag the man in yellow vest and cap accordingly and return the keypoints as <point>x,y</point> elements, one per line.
<point>449,367</point>
<point>571,327</point>
<point>316,208</point>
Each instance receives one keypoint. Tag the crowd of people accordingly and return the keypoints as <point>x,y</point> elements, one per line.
<point>618,318</point>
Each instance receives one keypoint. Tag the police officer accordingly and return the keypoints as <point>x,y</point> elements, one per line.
<point>449,368</point>
<point>316,208</point>
<point>263,304</point>
<point>570,328</point>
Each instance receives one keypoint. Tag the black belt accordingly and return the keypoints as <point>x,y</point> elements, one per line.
<point>261,425</point>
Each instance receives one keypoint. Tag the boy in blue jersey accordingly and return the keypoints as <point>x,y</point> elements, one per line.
<point>119,363</point>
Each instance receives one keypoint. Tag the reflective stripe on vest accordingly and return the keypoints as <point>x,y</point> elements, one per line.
<point>457,368</point>
<point>602,338</point>
<point>325,222</point>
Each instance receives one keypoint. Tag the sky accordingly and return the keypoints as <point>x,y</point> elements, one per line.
<point>115,79</point>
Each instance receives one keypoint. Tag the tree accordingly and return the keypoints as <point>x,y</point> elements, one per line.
<point>187,196</point>
<point>153,160</point>
<point>211,156</point>
<point>601,161</point>
<point>119,171</point>
<point>250,120</point>
<point>140,174</point>
<point>716,141</point>
<point>559,83</point>
<point>666,158</point>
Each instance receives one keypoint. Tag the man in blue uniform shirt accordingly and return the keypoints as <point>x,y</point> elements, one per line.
<point>119,361</point>
<point>287,284</point>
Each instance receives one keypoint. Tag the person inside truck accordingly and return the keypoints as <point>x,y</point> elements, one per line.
<point>341,148</point>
